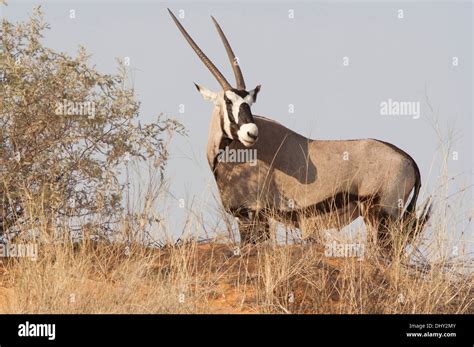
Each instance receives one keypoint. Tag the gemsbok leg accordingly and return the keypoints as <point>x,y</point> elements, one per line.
<point>253,228</point>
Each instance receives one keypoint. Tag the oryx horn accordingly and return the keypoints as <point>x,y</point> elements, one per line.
<point>212,68</point>
<point>239,78</point>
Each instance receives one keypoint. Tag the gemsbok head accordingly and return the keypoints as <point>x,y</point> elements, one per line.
<point>313,185</point>
<point>238,123</point>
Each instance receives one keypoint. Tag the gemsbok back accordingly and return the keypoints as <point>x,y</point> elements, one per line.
<point>296,180</point>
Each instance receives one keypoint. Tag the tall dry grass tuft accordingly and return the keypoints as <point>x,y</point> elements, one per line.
<point>84,275</point>
<point>302,279</point>
<point>91,277</point>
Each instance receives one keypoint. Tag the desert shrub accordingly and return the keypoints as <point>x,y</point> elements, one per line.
<point>65,132</point>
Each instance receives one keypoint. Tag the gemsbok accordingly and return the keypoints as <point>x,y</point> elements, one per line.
<point>298,180</point>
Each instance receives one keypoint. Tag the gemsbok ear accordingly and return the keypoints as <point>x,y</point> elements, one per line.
<point>254,92</point>
<point>207,94</point>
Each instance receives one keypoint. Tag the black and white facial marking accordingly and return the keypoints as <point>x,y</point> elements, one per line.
<point>237,122</point>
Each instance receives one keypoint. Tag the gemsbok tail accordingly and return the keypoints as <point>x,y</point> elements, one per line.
<point>412,224</point>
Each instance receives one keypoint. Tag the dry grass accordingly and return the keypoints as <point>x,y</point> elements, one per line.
<point>92,277</point>
<point>121,275</point>
<point>215,276</point>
